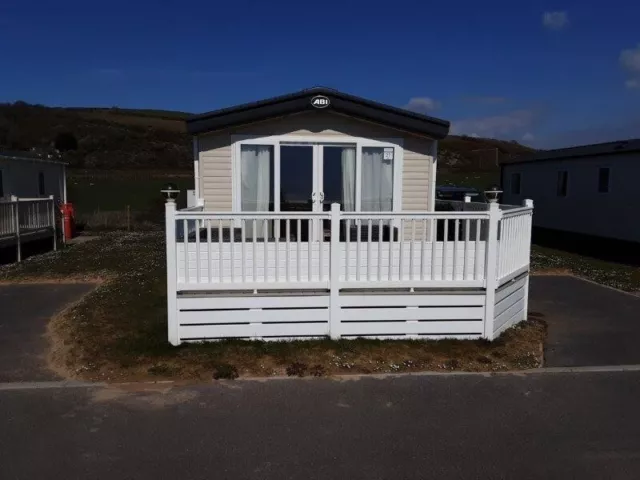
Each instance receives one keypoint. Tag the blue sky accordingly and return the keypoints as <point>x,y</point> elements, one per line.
<point>544,73</point>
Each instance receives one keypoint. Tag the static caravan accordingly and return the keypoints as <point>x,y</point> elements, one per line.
<point>588,191</point>
<point>32,187</point>
<point>315,216</point>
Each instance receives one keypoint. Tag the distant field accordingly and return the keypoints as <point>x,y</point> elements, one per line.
<point>114,191</point>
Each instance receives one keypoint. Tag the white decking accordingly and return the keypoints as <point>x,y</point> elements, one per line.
<point>25,220</point>
<point>338,274</point>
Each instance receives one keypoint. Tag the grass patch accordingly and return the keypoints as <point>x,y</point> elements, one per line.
<point>118,332</point>
<point>616,275</point>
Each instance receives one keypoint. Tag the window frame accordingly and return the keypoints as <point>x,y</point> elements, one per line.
<point>600,169</point>
<point>317,141</point>
<point>512,183</point>
<point>558,183</point>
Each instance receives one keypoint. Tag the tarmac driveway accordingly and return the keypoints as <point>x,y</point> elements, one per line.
<point>589,325</point>
<point>24,313</point>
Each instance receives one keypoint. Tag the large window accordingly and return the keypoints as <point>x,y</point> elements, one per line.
<point>515,183</point>
<point>603,179</point>
<point>377,180</point>
<point>256,178</point>
<point>563,183</point>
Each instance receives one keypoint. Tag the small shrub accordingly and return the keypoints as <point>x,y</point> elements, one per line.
<point>296,369</point>
<point>452,363</point>
<point>225,371</point>
<point>318,371</point>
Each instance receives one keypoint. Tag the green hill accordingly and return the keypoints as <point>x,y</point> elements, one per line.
<point>128,139</point>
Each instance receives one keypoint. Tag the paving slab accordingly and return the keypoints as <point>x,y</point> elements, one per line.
<point>589,324</point>
<point>25,311</point>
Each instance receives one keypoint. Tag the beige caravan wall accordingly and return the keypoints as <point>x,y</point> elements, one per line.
<point>215,154</point>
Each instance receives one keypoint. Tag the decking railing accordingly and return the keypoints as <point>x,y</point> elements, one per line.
<point>338,254</point>
<point>24,217</point>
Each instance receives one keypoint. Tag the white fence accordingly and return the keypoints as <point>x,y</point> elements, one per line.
<point>24,218</point>
<point>298,275</point>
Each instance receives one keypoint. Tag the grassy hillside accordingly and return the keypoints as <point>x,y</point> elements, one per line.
<point>125,139</point>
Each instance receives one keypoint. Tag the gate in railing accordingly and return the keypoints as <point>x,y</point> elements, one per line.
<point>24,218</point>
<point>295,275</point>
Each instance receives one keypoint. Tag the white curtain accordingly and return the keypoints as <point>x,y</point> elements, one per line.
<point>349,179</point>
<point>255,173</point>
<point>377,181</point>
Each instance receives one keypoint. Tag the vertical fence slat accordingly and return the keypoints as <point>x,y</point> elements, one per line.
<point>379,250</point>
<point>369,230</point>
<point>401,261</point>
<point>287,225</point>
<point>243,240</point>
<point>220,255</point>
<point>445,243</point>
<point>456,232</point>
<point>347,230</point>
<point>265,237</point>
<point>391,238</point>
<point>413,235</point>
<point>254,244</point>
<point>185,243</point>
<point>321,251</point>
<point>298,233</point>
<point>423,248</point>
<point>358,224</point>
<point>466,248</point>
<point>310,248</point>
<point>434,245</point>
<point>476,260</point>
<point>197,224</point>
<point>209,253</point>
<point>277,243</point>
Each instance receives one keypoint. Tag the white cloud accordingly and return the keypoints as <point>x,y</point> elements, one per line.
<point>555,20</point>
<point>630,63</point>
<point>494,126</point>
<point>422,104</point>
<point>632,83</point>
<point>528,137</point>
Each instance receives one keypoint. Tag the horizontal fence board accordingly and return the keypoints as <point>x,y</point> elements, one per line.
<point>507,302</point>
<point>411,300</point>
<point>507,314</point>
<point>254,316</point>
<point>252,301</point>
<point>254,330</point>
<point>508,289</point>
<point>417,337</point>
<point>515,318</point>
<point>411,328</point>
<point>411,313</point>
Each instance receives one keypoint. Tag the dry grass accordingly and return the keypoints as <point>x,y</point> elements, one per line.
<point>118,331</point>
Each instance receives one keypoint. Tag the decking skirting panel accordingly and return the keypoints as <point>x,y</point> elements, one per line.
<point>371,315</point>
<point>510,304</point>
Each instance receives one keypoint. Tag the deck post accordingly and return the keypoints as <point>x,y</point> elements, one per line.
<point>525,309</point>
<point>334,273</point>
<point>16,222</point>
<point>53,222</point>
<point>172,300</point>
<point>490,269</point>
